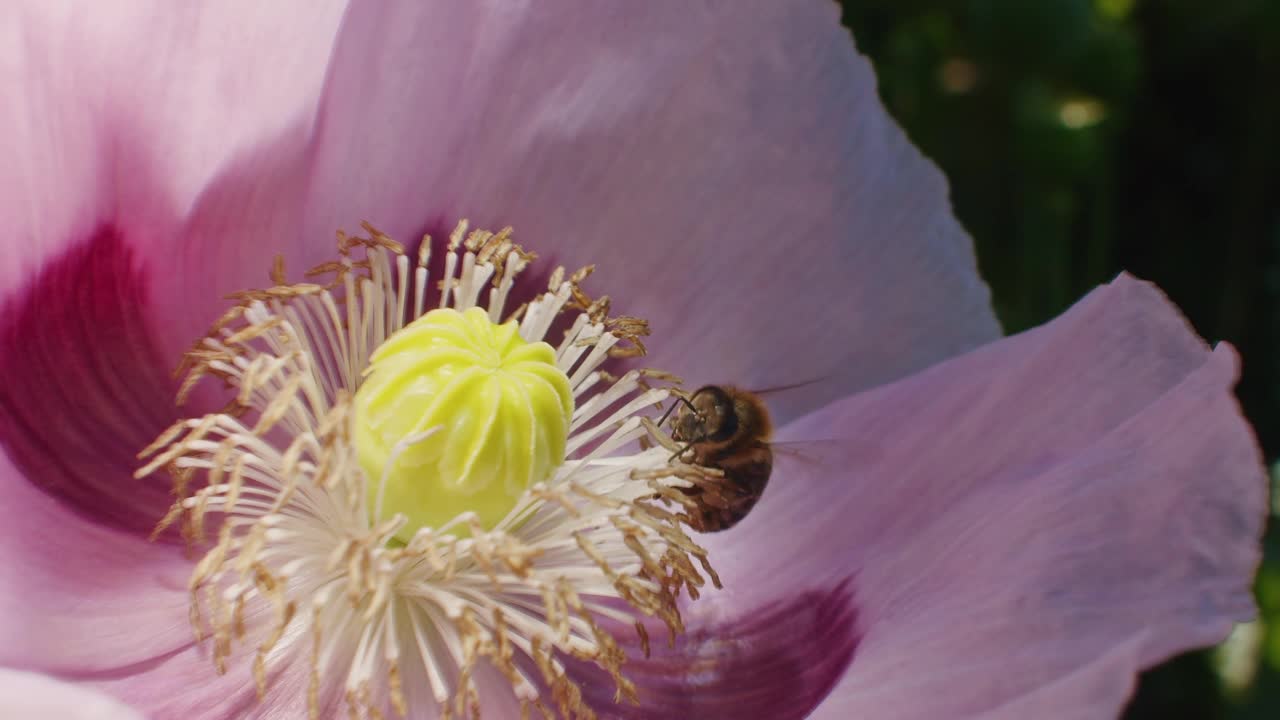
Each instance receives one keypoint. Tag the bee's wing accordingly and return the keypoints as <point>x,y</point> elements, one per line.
<point>775,390</point>
<point>829,457</point>
<point>790,397</point>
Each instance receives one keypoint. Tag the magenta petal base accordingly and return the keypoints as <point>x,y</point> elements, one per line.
<point>84,387</point>
<point>776,661</point>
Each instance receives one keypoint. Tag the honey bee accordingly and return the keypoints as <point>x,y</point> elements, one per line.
<point>727,429</point>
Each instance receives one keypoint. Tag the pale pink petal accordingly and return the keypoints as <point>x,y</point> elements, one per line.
<point>102,607</point>
<point>672,146</point>
<point>127,125</point>
<point>728,168</point>
<point>123,116</point>
<point>80,598</point>
<point>1096,690</point>
<point>105,608</point>
<point>144,181</point>
<point>186,687</point>
<point>28,696</point>
<point>83,595</point>
<point>1085,492</point>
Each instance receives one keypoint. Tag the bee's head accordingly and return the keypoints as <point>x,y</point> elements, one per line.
<point>707,417</point>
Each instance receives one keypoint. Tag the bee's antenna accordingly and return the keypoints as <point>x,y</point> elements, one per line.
<point>679,399</point>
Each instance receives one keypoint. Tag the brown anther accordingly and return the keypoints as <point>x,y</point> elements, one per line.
<point>458,235</point>
<point>643,634</point>
<point>277,273</point>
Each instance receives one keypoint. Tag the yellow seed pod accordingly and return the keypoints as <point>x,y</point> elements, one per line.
<point>457,413</point>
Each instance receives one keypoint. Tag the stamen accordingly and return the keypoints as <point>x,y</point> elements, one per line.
<point>304,562</point>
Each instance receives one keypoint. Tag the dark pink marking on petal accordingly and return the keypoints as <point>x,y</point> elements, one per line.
<point>778,661</point>
<point>84,388</point>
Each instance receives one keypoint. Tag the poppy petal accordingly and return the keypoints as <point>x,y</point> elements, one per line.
<point>27,695</point>
<point>126,116</point>
<point>1084,490</point>
<point>728,167</point>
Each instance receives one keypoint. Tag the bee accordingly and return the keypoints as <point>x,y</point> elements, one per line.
<point>727,429</point>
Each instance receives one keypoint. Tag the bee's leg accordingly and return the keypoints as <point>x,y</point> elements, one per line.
<point>656,434</point>
<point>666,441</point>
<point>680,452</point>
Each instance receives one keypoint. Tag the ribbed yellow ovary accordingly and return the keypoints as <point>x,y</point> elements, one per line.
<point>497,409</point>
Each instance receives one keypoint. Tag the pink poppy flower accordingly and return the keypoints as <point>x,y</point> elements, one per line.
<point>1011,527</point>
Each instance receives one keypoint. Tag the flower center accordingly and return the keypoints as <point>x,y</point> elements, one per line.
<point>458,413</point>
<point>429,506</point>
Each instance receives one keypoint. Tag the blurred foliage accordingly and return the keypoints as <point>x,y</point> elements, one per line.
<point>1083,137</point>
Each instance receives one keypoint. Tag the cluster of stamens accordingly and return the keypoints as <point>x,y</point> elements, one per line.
<point>296,568</point>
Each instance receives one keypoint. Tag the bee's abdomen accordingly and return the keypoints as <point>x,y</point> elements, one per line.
<point>746,473</point>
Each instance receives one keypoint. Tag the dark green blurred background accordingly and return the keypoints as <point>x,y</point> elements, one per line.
<point>1083,137</point>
